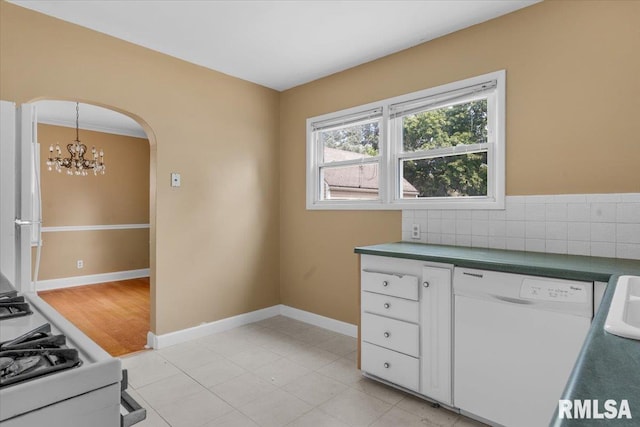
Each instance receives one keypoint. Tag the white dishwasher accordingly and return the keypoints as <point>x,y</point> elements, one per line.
<point>516,340</point>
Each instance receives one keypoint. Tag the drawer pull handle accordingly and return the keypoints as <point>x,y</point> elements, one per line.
<point>387,334</point>
<point>425,284</point>
<point>385,283</point>
<point>387,305</point>
<point>386,365</point>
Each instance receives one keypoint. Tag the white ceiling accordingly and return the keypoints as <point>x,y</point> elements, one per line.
<point>278,44</point>
<point>63,113</point>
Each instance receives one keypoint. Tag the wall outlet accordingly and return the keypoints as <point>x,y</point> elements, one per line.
<point>415,231</point>
<point>80,264</point>
<point>175,179</point>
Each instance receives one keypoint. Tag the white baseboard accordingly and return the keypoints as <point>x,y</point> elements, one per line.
<point>177,337</point>
<point>68,282</point>
<point>320,321</point>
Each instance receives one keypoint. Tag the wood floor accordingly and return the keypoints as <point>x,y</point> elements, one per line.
<point>114,314</point>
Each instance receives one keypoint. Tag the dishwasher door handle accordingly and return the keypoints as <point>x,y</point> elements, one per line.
<point>512,300</point>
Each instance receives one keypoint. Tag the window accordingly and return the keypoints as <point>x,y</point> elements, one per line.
<point>440,148</point>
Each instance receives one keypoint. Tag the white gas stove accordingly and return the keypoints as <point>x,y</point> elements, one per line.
<point>52,374</point>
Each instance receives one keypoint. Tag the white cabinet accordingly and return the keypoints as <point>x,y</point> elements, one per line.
<point>405,324</point>
<point>435,321</point>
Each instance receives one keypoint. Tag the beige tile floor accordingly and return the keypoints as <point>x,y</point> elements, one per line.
<point>276,372</point>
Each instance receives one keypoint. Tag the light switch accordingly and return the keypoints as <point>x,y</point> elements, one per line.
<point>175,180</point>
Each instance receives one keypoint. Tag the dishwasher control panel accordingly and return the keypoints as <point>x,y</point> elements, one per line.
<point>549,290</point>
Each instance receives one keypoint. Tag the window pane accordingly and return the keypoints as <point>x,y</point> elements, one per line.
<point>355,182</point>
<point>451,176</point>
<point>445,127</point>
<point>351,142</point>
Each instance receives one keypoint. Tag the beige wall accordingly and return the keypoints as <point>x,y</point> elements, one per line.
<point>236,236</point>
<point>214,241</point>
<point>121,196</point>
<point>573,98</point>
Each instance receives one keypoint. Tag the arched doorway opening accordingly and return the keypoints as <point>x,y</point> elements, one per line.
<point>95,262</point>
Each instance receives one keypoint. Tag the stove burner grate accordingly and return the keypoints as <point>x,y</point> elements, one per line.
<point>21,365</point>
<point>12,305</point>
<point>36,353</point>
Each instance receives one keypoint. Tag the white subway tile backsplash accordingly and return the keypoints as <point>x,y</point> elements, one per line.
<point>497,228</point>
<point>515,243</point>
<point>556,246</point>
<point>568,198</point>
<point>534,245</point>
<point>480,227</point>
<point>407,215</point>
<point>556,212</point>
<point>535,212</point>
<point>448,225</point>
<point>628,233</point>
<point>603,249</point>
<point>448,239</point>
<point>579,224</point>
<point>603,212</point>
<point>463,240</point>
<point>497,215</point>
<point>603,198</point>
<point>556,230</point>
<point>515,212</point>
<point>628,212</point>
<point>434,214</point>
<point>434,225</point>
<point>516,199</point>
<point>463,215</point>
<point>448,214</point>
<point>420,214</point>
<point>434,238</point>
<point>578,248</point>
<point>535,230</point>
<point>578,212</point>
<point>534,200</point>
<point>479,241</point>
<point>516,229</point>
<point>463,226</point>
<point>480,215</point>
<point>603,232</point>
<point>628,250</point>
<point>497,242</point>
<point>578,231</point>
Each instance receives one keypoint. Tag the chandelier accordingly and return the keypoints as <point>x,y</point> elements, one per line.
<point>76,164</point>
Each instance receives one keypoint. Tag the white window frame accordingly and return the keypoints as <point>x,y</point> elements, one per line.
<point>391,154</point>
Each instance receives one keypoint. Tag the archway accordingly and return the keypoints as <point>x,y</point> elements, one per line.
<point>99,229</point>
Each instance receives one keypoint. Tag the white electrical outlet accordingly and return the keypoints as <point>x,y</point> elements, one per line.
<point>175,179</point>
<point>80,263</point>
<point>415,231</point>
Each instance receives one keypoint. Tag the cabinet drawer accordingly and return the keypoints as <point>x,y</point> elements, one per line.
<point>398,308</point>
<point>392,334</point>
<point>397,285</point>
<point>389,365</point>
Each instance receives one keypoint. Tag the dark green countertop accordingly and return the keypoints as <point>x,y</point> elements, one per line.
<point>608,366</point>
